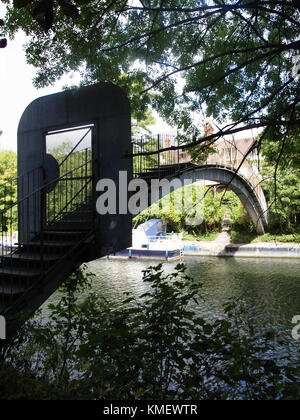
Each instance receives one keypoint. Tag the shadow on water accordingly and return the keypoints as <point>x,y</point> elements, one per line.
<point>268,288</point>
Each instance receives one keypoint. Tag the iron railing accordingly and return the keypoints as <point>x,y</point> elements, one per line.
<point>33,214</point>
<point>162,163</point>
<point>144,144</point>
<point>73,188</point>
<point>10,223</point>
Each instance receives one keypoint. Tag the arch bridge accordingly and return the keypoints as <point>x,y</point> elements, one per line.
<point>227,166</point>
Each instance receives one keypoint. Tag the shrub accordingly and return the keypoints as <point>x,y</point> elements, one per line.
<point>156,346</point>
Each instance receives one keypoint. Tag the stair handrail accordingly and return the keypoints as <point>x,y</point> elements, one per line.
<point>36,196</point>
<point>74,190</point>
<point>70,201</point>
<point>37,282</point>
<point>41,188</point>
<point>77,144</point>
<point>19,176</point>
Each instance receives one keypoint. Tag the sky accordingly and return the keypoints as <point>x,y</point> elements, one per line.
<point>17,90</point>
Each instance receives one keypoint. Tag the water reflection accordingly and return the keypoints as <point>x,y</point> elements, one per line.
<point>269,287</point>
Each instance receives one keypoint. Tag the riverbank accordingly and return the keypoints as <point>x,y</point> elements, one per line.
<point>223,247</point>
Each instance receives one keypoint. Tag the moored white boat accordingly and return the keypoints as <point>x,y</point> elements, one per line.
<point>151,241</point>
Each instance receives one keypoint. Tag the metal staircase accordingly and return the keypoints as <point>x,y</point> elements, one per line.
<point>58,239</point>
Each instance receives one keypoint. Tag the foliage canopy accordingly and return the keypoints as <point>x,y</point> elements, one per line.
<point>232,60</point>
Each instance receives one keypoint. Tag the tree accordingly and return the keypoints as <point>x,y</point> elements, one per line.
<point>3,41</point>
<point>8,190</point>
<point>281,181</point>
<point>142,127</point>
<point>8,165</point>
<point>235,58</point>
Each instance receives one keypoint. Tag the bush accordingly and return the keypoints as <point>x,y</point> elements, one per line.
<point>153,347</point>
<point>215,207</point>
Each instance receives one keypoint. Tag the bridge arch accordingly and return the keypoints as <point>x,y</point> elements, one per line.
<point>162,157</point>
<point>254,204</point>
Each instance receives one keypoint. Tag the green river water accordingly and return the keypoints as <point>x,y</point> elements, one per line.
<point>269,287</point>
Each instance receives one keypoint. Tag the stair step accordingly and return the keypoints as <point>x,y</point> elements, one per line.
<point>48,244</point>
<point>28,256</point>
<point>19,272</point>
<point>61,232</point>
<point>71,225</point>
<point>62,235</point>
<point>77,214</point>
<point>87,221</point>
<point>11,290</point>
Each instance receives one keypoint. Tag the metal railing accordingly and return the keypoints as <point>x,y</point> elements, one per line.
<point>145,163</point>
<point>73,188</point>
<point>32,214</point>
<point>10,223</point>
<point>223,154</point>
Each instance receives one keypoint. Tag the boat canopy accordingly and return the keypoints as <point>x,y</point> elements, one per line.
<point>154,228</point>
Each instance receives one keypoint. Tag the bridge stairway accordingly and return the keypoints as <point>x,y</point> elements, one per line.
<point>32,271</point>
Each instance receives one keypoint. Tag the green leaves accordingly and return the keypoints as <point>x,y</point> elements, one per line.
<point>18,4</point>
<point>281,180</point>
<point>155,346</point>
<point>231,61</point>
<point>44,11</point>
<point>69,9</point>
<point>3,43</point>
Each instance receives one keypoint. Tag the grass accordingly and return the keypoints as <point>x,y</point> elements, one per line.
<point>208,236</point>
<point>250,237</point>
<point>243,237</point>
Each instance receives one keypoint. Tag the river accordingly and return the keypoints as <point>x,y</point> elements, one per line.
<point>269,287</point>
